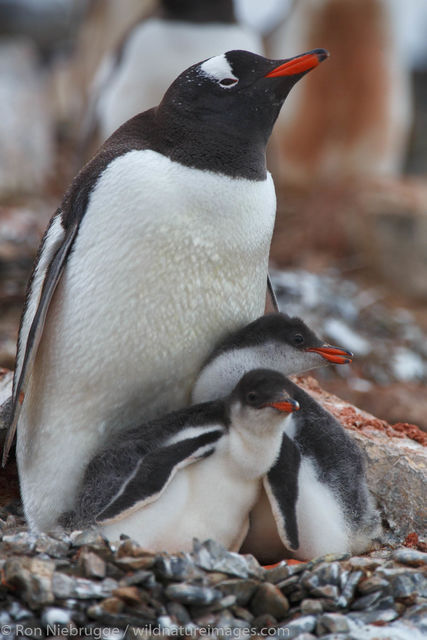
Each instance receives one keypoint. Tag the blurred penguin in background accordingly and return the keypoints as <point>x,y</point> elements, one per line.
<point>363,126</point>
<point>135,76</point>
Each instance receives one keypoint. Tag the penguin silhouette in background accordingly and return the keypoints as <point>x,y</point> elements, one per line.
<point>177,34</point>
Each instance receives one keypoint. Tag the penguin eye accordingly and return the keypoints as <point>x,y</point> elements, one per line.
<point>252,397</point>
<point>228,82</point>
<point>298,339</point>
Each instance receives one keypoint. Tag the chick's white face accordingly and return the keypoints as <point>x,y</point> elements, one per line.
<point>255,438</point>
<point>289,359</point>
<point>258,422</point>
<point>219,376</point>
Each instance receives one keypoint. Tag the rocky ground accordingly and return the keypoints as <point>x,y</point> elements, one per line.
<point>78,584</point>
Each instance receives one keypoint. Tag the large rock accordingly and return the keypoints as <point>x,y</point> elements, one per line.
<point>396,402</point>
<point>396,462</point>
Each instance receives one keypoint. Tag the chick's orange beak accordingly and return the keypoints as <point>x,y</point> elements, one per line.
<point>336,355</point>
<point>287,405</point>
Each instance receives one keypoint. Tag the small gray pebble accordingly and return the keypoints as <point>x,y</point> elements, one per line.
<point>368,617</point>
<point>311,606</point>
<point>192,594</point>
<point>179,612</point>
<point>411,557</point>
<point>366,602</point>
<point>375,583</point>
<point>298,626</point>
<point>333,622</point>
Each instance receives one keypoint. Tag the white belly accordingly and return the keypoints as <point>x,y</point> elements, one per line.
<point>148,290</point>
<point>322,528</point>
<point>321,525</point>
<point>205,500</point>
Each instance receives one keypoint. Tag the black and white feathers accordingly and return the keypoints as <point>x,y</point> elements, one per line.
<point>200,482</point>
<point>135,77</point>
<point>316,498</point>
<point>312,471</point>
<point>275,341</point>
<point>318,489</point>
<point>142,268</point>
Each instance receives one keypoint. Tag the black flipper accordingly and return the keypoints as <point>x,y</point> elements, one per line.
<point>271,293</point>
<point>281,486</point>
<point>154,472</point>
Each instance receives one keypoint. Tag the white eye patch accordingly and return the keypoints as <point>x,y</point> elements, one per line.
<point>219,69</point>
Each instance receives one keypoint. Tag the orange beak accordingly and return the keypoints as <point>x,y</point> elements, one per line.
<point>285,406</point>
<point>299,64</point>
<point>336,355</point>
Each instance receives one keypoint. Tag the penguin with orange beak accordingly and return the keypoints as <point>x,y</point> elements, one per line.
<point>297,488</point>
<point>274,341</point>
<point>202,478</point>
<point>315,498</point>
<point>142,268</point>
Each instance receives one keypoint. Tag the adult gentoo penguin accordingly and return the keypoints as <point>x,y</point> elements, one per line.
<point>162,500</point>
<point>274,341</point>
<point>142,267</point>
<point>177,34</point>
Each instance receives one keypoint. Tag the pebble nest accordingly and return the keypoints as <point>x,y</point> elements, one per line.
<point>77,584</point>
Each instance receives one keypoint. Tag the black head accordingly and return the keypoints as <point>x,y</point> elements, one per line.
<point>199,11</point>
<point>295,333</point>
<point>261,388</point>
<point>281,328</point>
<point>285,331</point>
<point>228,104</point>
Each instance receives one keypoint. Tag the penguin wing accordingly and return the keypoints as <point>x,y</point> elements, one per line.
<point>154,472</point>
<point>281,486</point>
<point>47,272</point>
<point>271,302</point>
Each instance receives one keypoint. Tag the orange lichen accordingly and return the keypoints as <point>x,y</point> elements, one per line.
<point>413,542</point>
<point>354,419</point>
<point>411,431</point>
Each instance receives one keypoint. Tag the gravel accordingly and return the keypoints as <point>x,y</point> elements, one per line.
<point>60,584</point>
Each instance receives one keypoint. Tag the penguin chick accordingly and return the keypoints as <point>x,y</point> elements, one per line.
<point>163,500</point>
<point>317,489</point>
<point>141,269</point>
<point>274,341</point>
